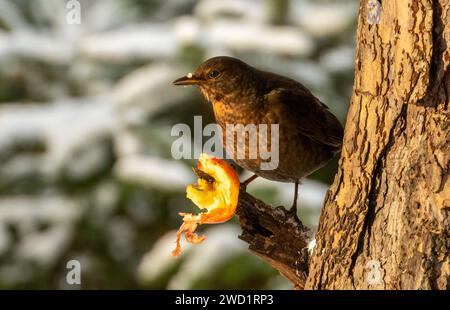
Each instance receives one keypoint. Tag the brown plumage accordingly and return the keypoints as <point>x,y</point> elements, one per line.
<point>309,134</point>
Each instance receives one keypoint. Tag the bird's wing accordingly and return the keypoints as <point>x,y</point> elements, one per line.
<point>313,118</point>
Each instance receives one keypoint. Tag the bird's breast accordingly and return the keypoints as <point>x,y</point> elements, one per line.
<point>255,136</point>
<point>237,109</point>
<point>245,133</point>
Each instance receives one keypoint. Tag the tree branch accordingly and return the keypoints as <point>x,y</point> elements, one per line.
<point>276,237</point>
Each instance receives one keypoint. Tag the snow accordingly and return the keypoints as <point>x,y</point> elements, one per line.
<point>144,42</point>
<point>247,37</point>
<point>46,47</point>
<point>311,246</point>
<point>324,19</point>
<point>156,172</point>
<point>63,127</point>
<point>251,10</point>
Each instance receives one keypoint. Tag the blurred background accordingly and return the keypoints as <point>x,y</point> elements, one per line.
<point>86,112</point>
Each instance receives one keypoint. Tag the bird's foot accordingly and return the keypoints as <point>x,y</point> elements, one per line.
<point>292,212</point>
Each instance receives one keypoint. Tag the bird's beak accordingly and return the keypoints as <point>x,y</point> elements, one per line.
<point>187,80</point>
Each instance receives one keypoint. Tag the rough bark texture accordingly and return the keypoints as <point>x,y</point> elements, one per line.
<point>387,212</point>
<point>276,237</point>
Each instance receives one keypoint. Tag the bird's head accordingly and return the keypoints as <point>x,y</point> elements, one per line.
<point>218,77</point>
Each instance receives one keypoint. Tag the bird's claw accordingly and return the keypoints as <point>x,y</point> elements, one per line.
<point>292,213</point>
<point>288,213</point>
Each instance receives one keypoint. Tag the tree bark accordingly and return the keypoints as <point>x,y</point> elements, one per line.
<point>385,222</point>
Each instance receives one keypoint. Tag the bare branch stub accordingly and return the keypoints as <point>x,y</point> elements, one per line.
<point>275,236</point>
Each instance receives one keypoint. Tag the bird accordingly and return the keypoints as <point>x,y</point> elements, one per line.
<point>309,134</point>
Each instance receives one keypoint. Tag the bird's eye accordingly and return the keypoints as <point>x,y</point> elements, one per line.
<point>213,74</point>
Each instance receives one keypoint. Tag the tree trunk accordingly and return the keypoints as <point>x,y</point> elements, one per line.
<point>385,223</point>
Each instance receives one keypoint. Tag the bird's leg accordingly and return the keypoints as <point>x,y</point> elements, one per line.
<point>247,181</point>
<point>293,210</point>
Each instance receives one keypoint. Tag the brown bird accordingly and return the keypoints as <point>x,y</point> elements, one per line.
<point>309,134</point>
